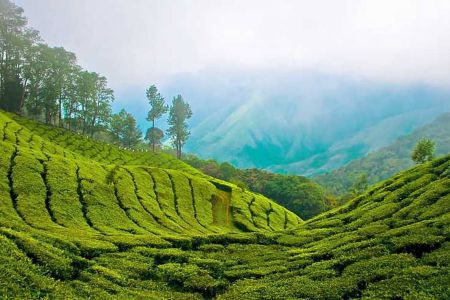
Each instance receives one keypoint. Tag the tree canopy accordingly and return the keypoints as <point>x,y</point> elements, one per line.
<point>46,83</point>
<point>179,113</point>
<point>124,129</point>
<point>157,108</point>
<point>424,151</point>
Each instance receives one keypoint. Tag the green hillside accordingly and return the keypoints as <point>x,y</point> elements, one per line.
<point>387,161</point>
<point>82,219</point>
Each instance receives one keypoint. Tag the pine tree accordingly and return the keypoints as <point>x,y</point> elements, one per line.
<point>179,113</point>
<point>158,108</point>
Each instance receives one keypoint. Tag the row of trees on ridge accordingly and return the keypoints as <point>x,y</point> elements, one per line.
<point>47,84</point>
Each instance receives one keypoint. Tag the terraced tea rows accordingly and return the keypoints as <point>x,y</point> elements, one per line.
<point>138,194</point>
<point>58,141</point>
<point>75,224</point>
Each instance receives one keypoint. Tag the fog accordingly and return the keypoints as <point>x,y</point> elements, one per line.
<point>139,42</point>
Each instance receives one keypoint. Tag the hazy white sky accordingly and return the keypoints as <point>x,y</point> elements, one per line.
<point>138,42</point>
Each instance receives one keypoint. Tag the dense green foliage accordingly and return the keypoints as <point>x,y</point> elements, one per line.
<point>297,193</point>
<point>82,219</point>
<point>424,151</point>
<point>387,161</point>
<point>46,82</point>
<point>124,130</point>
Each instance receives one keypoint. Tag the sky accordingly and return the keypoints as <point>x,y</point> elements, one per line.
<point>140,42</point>
<point>225,56</point>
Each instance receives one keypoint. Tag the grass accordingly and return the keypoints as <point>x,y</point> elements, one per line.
<point>82,219</point>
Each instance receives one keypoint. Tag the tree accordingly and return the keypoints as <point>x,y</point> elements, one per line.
<point>57,72</point>
<point>154,136</point>
<point>227,171</point>
<point>12,28</point>
<point>100,105</point>
<point>124,130</point>
<point>88,108</point>
<point>45,82</point>
<point>179,113</point>
<point>298,194</point>
<point>361,184</point>
<point>63,64</point>
<point>424,151</point>
<point>157,109</point>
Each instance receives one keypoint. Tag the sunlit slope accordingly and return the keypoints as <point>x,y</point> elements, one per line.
<point>72,227</point>
<point>393,242</point>
<point>60,141</point>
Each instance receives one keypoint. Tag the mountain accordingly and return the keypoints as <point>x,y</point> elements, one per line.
<point>383,163</point>
<point>82,219</point>
<point>303,123</point>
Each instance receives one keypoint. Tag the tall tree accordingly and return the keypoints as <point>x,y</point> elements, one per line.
<point>30,63</point>
<point>100,105</point>
<point>72,103</point>
<point>124,130</point>
<point>179,113</point>
<point>12,27</point>
<point>64,64</point>
<point>59,67</point>
<point>157,109</point>
<point>92,109</point>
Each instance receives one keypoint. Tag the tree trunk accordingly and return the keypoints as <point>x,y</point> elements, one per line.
<point>22,98</point>
<point>70,115</point>
<point>47,115</point>
<point>83,109</point>
<point>153,141</point>
<point>59,112</point>
<point>178,149</point>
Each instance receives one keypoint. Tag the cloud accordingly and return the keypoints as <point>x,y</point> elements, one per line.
<point>139,42</point>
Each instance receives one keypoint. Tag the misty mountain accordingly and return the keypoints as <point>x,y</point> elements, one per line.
<point>304,123</point>
<point>385,162</point>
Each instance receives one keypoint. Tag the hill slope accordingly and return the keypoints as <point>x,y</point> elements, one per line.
<point>387,161</point>
<point>140,190</point>
<point>72,227</point>
<point>392,242</point>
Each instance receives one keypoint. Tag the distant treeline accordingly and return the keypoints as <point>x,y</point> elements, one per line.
<point>47,84</point>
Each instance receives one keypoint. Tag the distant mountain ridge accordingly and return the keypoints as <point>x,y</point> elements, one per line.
<point>363,142</point>
<point>389,160</point>
<point>300,123</point>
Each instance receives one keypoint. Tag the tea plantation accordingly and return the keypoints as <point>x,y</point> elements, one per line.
<point>84,219</point>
